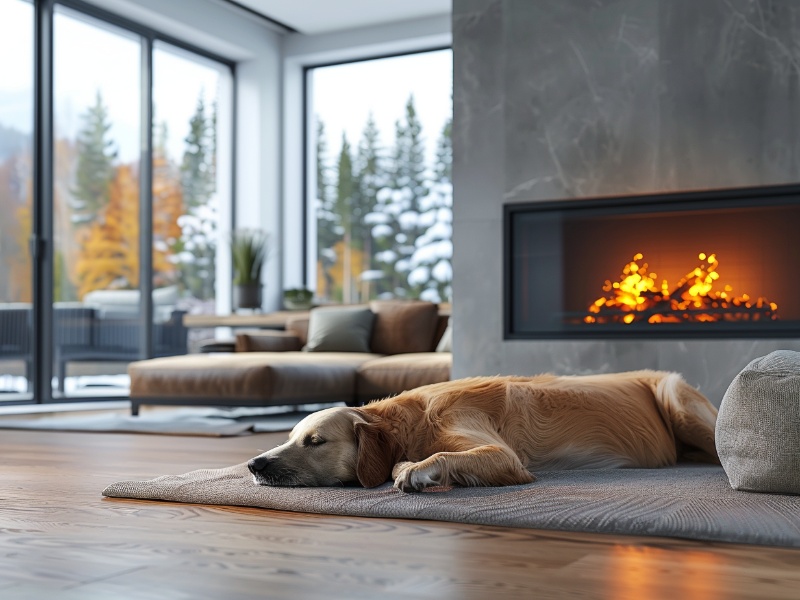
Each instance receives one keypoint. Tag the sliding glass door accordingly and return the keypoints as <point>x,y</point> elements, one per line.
<point>115,191</point>
<point>192,135</point>
<point>16,198</point>
<point>96,204</point>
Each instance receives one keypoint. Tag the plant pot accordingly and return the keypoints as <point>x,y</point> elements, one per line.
<point>247,295</point>
<point>297,304</point>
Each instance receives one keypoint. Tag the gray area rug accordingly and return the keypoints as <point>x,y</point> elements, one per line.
<point>195,422</point>
<point>687,501</point>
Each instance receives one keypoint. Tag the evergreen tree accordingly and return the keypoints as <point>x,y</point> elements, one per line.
<point>109,253</point>
<point>395,219</point>
<point>198,246</point>
<point>327,234</point>
<point>370,177</point>
<point>345,208</point>
<point>95,168</point>
<point>431,268</point>
<point>198,186</point>
<point>444,153</point>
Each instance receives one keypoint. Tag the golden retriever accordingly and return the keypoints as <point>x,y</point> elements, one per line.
<point>493,431</point>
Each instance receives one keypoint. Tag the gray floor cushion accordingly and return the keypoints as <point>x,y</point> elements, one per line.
<point>758,427</point>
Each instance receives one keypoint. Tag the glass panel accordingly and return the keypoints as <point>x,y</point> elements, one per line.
<point>95,205</point>
<point>192,145</point>
<point>667,266</point>
<point>16,198</point>
<point>383,193</point>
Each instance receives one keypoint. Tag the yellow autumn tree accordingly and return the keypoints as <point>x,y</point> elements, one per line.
<point>167,207</point>
<point>109,248</point>
<point>21,276</point>
<point>358,263</point>
<point>16,224</point>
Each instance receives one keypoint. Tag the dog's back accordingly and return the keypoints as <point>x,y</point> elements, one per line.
<point>635,419</point>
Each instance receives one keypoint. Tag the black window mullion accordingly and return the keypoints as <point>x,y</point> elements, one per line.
<point>146,200</point>
<point>41,243</point>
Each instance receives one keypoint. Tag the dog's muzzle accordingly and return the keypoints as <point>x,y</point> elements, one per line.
<point>259,464</point>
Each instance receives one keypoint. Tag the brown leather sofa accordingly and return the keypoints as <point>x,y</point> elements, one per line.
<point>270,368</point>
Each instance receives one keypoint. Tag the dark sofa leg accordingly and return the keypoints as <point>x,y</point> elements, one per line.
<point>134,409</point>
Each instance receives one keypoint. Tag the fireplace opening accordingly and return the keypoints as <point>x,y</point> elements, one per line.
<point>724,263</point>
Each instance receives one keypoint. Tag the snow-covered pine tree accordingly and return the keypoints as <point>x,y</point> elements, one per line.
<point>395,219</point>
<point>370,172</point>
<point>431,267</point>
<point>344,209</point>
<point>198,244</point>
<point>327,222</point>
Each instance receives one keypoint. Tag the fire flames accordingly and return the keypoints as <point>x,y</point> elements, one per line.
<point>637,297</point>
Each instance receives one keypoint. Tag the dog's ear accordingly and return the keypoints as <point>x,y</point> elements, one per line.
<point>376,454</point>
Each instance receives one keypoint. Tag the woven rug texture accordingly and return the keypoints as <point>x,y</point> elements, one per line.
<point>686,501</point>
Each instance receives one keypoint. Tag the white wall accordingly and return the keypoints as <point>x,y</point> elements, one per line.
<point>302,51</point>
<point>256,47</point>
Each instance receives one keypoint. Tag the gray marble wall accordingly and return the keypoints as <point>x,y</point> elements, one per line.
<point>559,99</point>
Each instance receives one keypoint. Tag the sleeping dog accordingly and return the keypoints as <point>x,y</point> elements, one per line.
<point>493,431</point>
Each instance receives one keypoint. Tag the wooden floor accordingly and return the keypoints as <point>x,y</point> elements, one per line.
<point>60,539</point>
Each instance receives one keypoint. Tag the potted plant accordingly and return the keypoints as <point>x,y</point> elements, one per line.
<point>250,250</point>
<point>298,298</point>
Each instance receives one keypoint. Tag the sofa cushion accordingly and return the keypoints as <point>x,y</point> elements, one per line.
<point>390,375</point>
<point>340,329</point>
<point>758,426</point>
<point>403,326</point>
<point>267,341</point>
<point>258,377</point>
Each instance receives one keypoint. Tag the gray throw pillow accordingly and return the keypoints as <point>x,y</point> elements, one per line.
<point>758,426</point>
<point>339,329</point>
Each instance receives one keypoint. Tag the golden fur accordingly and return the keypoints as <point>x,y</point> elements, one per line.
<point>488,431</point>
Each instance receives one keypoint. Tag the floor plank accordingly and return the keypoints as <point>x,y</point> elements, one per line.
<point>59,538</point>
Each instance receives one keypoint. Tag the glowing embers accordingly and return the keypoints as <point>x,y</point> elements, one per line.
<point>637,297</point>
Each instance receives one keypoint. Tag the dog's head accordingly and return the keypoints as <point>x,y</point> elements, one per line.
<point>329,448</point>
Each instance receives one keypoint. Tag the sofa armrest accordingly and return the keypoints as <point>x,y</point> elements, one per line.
<point>267,341</point>
<point>299,326</point>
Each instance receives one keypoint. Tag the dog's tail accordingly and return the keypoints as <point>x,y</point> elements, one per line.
<point>690,415</point>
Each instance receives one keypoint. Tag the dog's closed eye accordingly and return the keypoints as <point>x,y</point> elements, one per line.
<point>313,440</point>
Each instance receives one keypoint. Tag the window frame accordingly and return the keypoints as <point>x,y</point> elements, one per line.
<point>309,245</point>
<point>43,179</point>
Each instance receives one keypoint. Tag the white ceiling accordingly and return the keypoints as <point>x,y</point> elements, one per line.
<point>323,16</point>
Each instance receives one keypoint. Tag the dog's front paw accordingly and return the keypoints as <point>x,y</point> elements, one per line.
<point>413,477</point>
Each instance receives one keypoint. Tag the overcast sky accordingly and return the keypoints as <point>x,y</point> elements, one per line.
<point>344,95</point>
<point>91,56</point>
<point>16,76</point>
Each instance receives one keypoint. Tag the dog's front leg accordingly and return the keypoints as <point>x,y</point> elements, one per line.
<point>481,466</point>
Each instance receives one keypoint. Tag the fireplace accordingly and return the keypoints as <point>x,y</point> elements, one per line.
<point>722,263</point>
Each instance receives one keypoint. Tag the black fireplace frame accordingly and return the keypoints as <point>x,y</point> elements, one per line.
<point>777,195</point>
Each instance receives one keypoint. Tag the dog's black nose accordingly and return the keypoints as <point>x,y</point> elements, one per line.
<point>259,463</point>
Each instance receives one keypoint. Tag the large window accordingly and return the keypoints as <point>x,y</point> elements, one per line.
<point>96,225</point>
<point>191,185</point>
<point>130,108</point>
<point>16,196</point>
<point>382,197</point>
